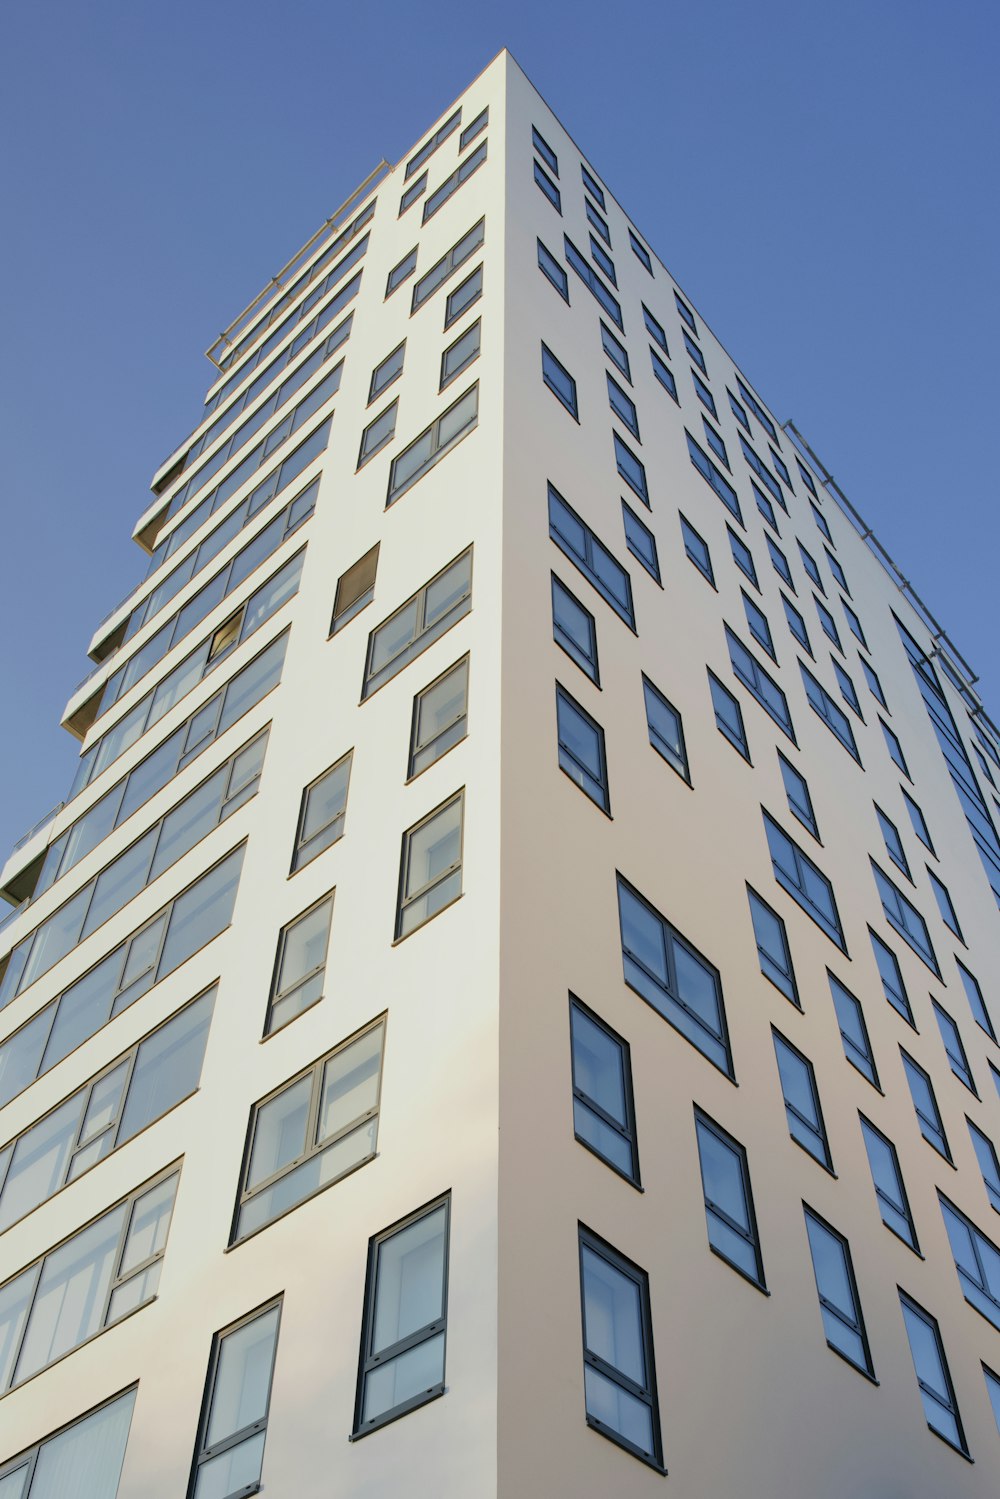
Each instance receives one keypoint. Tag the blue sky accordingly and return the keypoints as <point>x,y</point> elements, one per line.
<point>821,180</point>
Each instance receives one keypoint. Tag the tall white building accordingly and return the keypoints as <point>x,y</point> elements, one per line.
<point>507,1007</point>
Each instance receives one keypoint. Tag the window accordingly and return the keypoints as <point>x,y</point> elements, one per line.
<point>807,480</point>
<point>655,329</point>
<point>937,1394</point>
<point>433,444</point>
<point>992,1389</point>
<point>738,410</point>
<point>847,688</point>
<point>905,919</point>
<point>311,1131</point>
<point>666,971</point>
<point>802,1108</point>
<point>773,952</point>
<point>640,252</point>
<point>917,821</point>
<point>762,686</point>
<point>550,267</point>
<point>988,1164</point>
<point>944,903</point>
<point>592,186</point>
<point>713,477</point>
<point>781,469</point>
<point>355,589</point>
<point>440,717</point>
<point>300,965</point>
<point>401,272</point>
<point>840,577</point>
<point>377,434</point>
<point>858,633</point>
<point>93,1445</point>
<point>603,1110</point>
<point>446,267</point>
<point>892,978</point>
<point>664,374</point>
<point>548,187</point>
<point>996,1078</point>
<point>622,406</point>
<point>545,151</point>
<point>641,542</point>
<point>809,563</point>
<point>796,624</point>
<point>895,748</point>
<point>797,791</point>
<point>728,716</point>
<point>581,749</point>
<point>631,469</point>
<point>403,1332</point>
<point>977,1261</point>
<point>800,878</point>
<point>430,875</point>
<point>695,353</point>
<point>827,623</point>
<point>574,629</point>
<point>780,563</point>
<point>599,223</point>
<point>90,1281</point>
<point>420,621</point>
<point>838,1293</point>
<point>666,731</point>
<point>715,441</point>
<point>230,1450</point>
<point>592,280</point>
<point>725,1182</point>
<point>439,197</point>
<point>560,381</point>
<point>758,625</point>
<point>766,508</point>
<point>977,1004</point>
<point>893,843</point>
<point>758,410</point>
<point>465,295</point>
<point>925,1104</point>
<point>615,350</point>
<point>890,1193</point>
<point>385,373</point>
<point>412,193</point>
<point>853,1031</point>
<point>430,145</point>
<point>705,396</point>
<point>618,1373</point>
<point>458,356</point>
<point>954,1050</point>
<point>591,556</point>
<point>685,313</point>
<point>830,712</point>
<point>603,261</point>
<point>743,557</point>
<point>321,817</point>
<point>696,550</point>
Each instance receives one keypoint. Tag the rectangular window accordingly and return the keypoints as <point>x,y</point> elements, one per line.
<point>859,635</point>
<point>705,396</point>
<point>905,919</point>
<point>641,542</point>
<point>615,350</point>
<point>758,625</point>
<point>893,843</point>
<point>458,356</point>
<point>405,1316</point>
<point>738,410</point>
<point>622,406</point>
<point>672,976</point>
<point>430,145</point>
<point>895,749</point>
<point>847,689</point>
<point>401,272</point>
<point>838,1293</point>
<point>695,353</point>
<point>630,469</point>
<point>954,1050</point>
<point>90,1281</point>
<point>440,717</point>
<point>550,267</point>
<point>917,821</point>
<point>593,187</point>
<point>430,870</point>
<point>977,1261</point>
<point>715,441</point>
<point>300,965</point>
<point>988,1163</point>
<point>804,882</point>
<point>890,1193</point>
<point>696,550</point>
<point>812,571</point>
<point>93,1446</point>
<point>618,1372</point>
<point>311,1131</point>
<point>977,1004</point>
<point>230,1450</point>
<point>466,294</point>
<point>780,564</point>
<point>321,816</point>
<point>807,480</point>
<point>425,617</point>
<point>574,629</point>
<point>892,978</point>
<point>796,624</point>
<point>603,260</point>
<point>925,1104</point>
<point>581,749</point>
<point>639,251</point>
<point>592,280</point>
<point>355,589</point>
<point>655,329</point>
<point>545,151</point>
<point>802,1107</point>
<point>773,952</point>
<point>944,904</point>
<point>664,374</point>
<point>548,187</point>
<point>412,193</point>
<point>758,410</point>
<point>797,791</point>
<point>729,1214</point>
<point>433,444</point>
<point>766,508</point>
<point>377,434</point>
<point>385,373</point>
<point>728,716</point>
<point>685,313</point>
<point>743,557</point>
<point>830,712</point>
<point>439,197</point>
<point>446,267</point>
<point>781,469</point>
<point>666,731</point>
<point>840,577</point>
<point>827,623</point>
<point>853,1030</point>
<point>937,1394</point>
<point>603,1110</point>
<point>560,382</point>
<point>759,684</point>
<point>591,556</point>
<point>713,477</point>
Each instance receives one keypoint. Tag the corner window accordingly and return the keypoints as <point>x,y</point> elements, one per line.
<point>581,749</point>
<point>300,965</point>
<point>574,629</point>
<point>619,1377</point>
<point>725,1181</point>
<point>321,818</point>
<point>773,952</point>
<point>430,874</point>
<point>937,1393</point>
<point>440,717</point>
<point>230,1450</point>
<point>433,444</point>
<point>802,1106</point>
<point>839,1304</point>
<point>560,382</point>
<point>603,1110</point>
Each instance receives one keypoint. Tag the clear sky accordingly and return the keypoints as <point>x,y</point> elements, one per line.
<point>820,178</point>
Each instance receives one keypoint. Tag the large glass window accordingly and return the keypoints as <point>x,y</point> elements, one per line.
<point>603,1110</point>
<point>839,1304</point>
<point>937,1393</point>
<point>581,749</point>
<point>440,717</point>
<point>415,625</point>
<point>324,807</point>
<point>83,1461</point>
<point>430,876</point>
<point>300,965</point>
<point>725,1180</point>
<point>618,1371</point>
<point>230,1449</point>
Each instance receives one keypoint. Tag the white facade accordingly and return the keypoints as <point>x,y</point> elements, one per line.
<point>476,1102</point>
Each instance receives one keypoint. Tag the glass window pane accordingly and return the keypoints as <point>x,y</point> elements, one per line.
<point>612,1315</point>
<point>40,1160</point>
<point>598,1066</point>
<point>350,1084</point>
<point>280,1131</point>
<point>69,1303</point>
<point>167,1067</point>
<point>409,1287</point>
<point>243,1378</point>
<point>85,1461</point>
